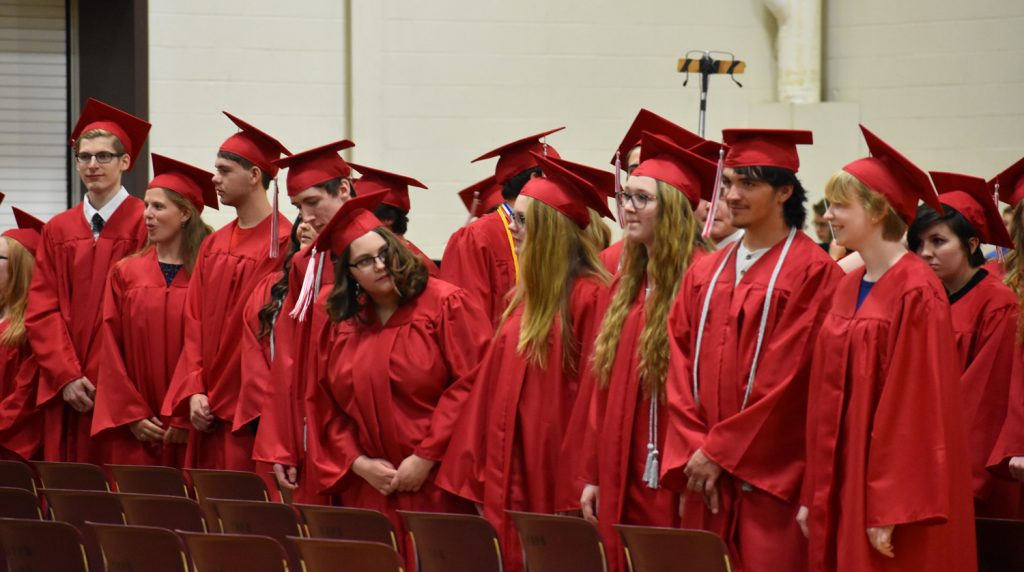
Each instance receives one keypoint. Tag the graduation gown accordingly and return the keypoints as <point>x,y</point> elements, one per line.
<point>21,422</point>
<point>282,433</point>
<point>612,256</point>
<point>760,447</point>
<point>63,315</point>
<point>985,325</point>
<point>480,258</point>
<point>226,272</point>
<point>886,438</point>
<point>140,341</point>
<point>432,268</point>
<point>505,451</point>
<point>257,355</point>
<point>392,391</point>
<point>1010,442</point>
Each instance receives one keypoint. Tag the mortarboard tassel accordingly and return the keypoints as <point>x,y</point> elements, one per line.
<point>618,189</point>
<point>472,209</point>
<point>999,249</point>
<point>275,242</point>
<point>710,221</point>
<point>651,468</point>
<point>306,294</point>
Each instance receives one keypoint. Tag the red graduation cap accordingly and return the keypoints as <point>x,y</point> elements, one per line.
<point>665,161</point>
<point>193,183</point>
<point>255,146</point>
<point>29,232</point>
<point>354,219</point>
<point>1011,184</point>
<point>397,186</point>
<point>709,149</point>
<point>970,197</point>
<point>888,172</point>
<point>765,147</point>
<point>566,192</point>
<point>514,157</point>
<point>315,166</point>
<point>653,123</point>
<point>602,181</point>
<point>130,130</point>
<point>486,194</point>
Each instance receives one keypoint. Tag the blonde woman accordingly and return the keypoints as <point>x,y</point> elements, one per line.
<point>626,413</point>
<point>506,451</point>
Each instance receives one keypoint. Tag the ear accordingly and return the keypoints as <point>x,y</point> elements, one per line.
<point>125,162</point>
<point>973,244</point>
<point>255,175</point>
<point>783,193</point>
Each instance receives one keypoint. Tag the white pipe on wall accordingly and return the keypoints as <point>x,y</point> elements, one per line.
<point>798,49</point>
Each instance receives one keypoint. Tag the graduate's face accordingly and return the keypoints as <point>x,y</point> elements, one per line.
<point>517,226</point>
<point>722,227</point>
<point>317,206</point>
<point>751,201</point>
<point>640,222</point>
<point>164,219</point>
<point>100,178</point>
<point>632,160</point>
<point>945,254</point>
<point>233,182</point>
<point>368,268</point>
<point>306,234</point>
<point>852,223</point>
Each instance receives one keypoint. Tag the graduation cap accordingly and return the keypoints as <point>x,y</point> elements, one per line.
<point>765,147</point>
<point>29,232</point>
<point>396,186</point>
<point>193,183</point>
<point>710,150</point>
<point>665,161</point>
<point>602,181</point>
<point>970,197</point>
<point>566,192</point>
<point>888,172</point>
<point>254,146</point>
<point>481,197</point>
<point>315,166</point>
<point>653,123</point>
<point>354,219</point>
<point>515,157</point>
<point>1011,184</point>
<point>129,130</point>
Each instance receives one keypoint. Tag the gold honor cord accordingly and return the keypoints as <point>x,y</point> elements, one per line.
<point>511,241</point>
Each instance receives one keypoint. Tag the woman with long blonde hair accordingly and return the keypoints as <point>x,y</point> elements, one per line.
<point>630,361</point>
<point>142,335</point>
<point>506,451</point>
<point>20,420</point>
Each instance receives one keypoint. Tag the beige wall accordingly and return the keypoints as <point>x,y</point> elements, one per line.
<point>437,83</point>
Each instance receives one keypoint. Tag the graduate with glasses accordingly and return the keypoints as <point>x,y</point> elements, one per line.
<point>79,247</point>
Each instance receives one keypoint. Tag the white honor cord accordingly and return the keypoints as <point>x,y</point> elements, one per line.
<point>761,329</point>
<point>651,468</point>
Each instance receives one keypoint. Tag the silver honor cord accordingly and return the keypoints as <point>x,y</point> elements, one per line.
<point>761,329</point>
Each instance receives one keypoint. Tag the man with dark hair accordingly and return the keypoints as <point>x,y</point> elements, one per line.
<point>480,257</point>
<point>79,246</point>
<point>231,263</point>
<point>821,229</point>
<point>742,332</point>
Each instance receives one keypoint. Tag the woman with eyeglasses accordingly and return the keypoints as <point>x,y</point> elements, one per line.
<point>142,331</point>
<point>395,369</point>
<point>626,421</point>
<point>506,450</point>
<point>21,423</point>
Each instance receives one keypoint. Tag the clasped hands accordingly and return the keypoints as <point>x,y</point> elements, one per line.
<point>379,473</point>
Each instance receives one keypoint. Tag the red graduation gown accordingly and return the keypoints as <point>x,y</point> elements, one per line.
<point>612,256</point>
<point>886,440</point>
<point>985,325</point>
<point>505,451</point>
<point>394,390</point>
<point>140,341</point>
<point>479,258</point>
<point>63,314</point>
<point>256,355</point>
<point>432,268</point>
<point>282,433</point>
<point>761,447</point>
<point>224,278</point>
<point>21,422</point>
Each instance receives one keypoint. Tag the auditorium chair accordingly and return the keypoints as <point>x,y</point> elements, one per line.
<point>324,555</point>
<point>140,548</point>
<point>77,508</point>
<point>344,523</point>
<point>652,549</point>
<point>71,476</point>
<point>162,511</point>
<point>42,546</point>
<point>453,542</point>
<point>276,520</point>
<point>18,475</point>
<point>559,543</point>
<point>19,503</point>
<point>149,480</point>
<point>235,552</point>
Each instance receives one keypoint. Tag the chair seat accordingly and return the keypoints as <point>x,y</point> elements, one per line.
<point>235,552</point>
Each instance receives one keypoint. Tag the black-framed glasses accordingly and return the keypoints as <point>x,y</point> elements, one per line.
<point>367,262</point>
<point>638,200</point>
<point>102,157</point>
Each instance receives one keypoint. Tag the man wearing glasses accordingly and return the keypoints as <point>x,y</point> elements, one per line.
<point>79,246</point>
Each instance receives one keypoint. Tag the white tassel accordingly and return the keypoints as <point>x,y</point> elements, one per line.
<point>275,241</point>
<point>306,294</point>
<point>710,221</point>
<point>652,469</point>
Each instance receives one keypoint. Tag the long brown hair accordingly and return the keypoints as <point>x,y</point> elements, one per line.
<point>407,270</point>
<point>1015,265</point>
<point>675,239</point>
<point>555,254</point>
<point>14,294</point>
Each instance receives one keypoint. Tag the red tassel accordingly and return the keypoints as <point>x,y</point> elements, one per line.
<point>618,189</point>
<point>275,242</point>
